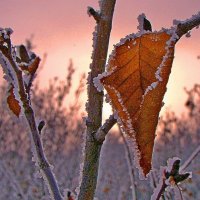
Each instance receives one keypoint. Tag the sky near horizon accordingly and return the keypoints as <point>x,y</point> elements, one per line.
<point>63,30</point>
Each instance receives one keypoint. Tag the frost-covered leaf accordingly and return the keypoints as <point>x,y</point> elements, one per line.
<point>140,68</point>
<point>13,104</point>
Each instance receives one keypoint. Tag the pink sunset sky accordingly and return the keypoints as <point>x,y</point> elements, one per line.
<point>63,30</point>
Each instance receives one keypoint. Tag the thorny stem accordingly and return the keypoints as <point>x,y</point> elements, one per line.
<point>95,101</point>
<point>30,118</point>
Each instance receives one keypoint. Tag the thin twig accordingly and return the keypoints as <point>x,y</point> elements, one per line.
<point>153,179</point>
<point>184,26</point>
<point>158,191</point>
<point>130,167</point>
<point>103,130</point>
<point>27,110</point>
<point>190,159</point>
<point>178,193</point>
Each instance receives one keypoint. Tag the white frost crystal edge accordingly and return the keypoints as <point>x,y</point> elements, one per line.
<point>131,140</point>
<point>172,39</point>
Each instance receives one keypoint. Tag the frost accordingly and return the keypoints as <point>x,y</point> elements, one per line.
<point>38,174</point>
<point>176,22</point>
<point>141,22</point>
<point>151,87</point>
<point>191,157</point>
<point>17,52</point>
<point>170,163</point>
<point>100,3</point>
<point>44,175</point>
<point>163,180</point>
<point>5,33</point>
<point>116,116</point>
<point>160,184</point>
<point>17,97</point>
<point>193,18</point>
<point>172,39</point>
<point>5,44</point>
<point>7,69</point>
<point>127,123</point>
<point>94,40</point>
<point>135,151</point>
<point>177,193</point>
<point>83,146</point>
<point>9,75</point>
<point>188,34</point>
<point>97,82</point>
<point>107,98</point>
<point>132,141</point>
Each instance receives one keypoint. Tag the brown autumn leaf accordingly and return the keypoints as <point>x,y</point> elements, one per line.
<point>12,102</point>
<point>136,83</point>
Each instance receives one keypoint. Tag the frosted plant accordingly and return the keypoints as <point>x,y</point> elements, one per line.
<point>20,65</point>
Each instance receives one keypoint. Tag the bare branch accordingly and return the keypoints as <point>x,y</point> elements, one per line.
<point>92,12</point>
<point>184,26</point>
<point>103,130</point>
<point>95,101</point>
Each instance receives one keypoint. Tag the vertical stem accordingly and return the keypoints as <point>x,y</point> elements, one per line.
<point>95,101</point>
<point>130,167</point>
<point>37,143</point>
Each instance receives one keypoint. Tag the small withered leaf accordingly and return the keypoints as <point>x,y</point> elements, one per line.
<point>13,104</point>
